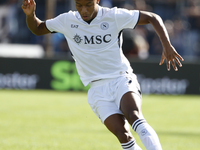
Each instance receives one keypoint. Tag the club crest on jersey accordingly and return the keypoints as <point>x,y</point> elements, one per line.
<point>104,26</point>
<point>77,39</point>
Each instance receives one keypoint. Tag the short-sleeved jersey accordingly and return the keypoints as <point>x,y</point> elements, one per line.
<point>96,47</point>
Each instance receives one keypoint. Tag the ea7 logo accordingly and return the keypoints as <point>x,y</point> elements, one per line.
<point>99,39</point>
<point>74,26</point>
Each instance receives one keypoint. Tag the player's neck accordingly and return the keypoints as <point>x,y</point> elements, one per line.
<point>94,16</point>
<point>90,21</point>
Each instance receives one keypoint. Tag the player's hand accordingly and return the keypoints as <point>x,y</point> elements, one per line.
<point>29,6</point>
<point>172,57</point>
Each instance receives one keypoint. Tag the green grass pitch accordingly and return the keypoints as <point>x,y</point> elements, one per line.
<point>50,120</point>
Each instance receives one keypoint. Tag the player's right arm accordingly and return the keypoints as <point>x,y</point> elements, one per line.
<point>35,25</point>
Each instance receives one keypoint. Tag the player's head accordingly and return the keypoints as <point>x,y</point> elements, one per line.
<point>87,8</point>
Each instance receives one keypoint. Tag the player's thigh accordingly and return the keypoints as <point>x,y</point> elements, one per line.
<point>130,106</point>
<point>119,126</point>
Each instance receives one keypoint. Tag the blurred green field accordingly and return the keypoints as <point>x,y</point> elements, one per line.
<point>50,120</point>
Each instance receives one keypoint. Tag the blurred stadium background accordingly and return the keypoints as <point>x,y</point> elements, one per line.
<point>34,69</point>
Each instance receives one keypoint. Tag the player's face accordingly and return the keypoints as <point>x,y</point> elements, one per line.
<point>87,9</point>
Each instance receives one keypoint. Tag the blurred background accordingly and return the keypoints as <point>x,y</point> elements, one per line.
<point>181,17</point>
<point>141,46</point>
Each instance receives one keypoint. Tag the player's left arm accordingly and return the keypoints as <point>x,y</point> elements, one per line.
<point>169,53</point>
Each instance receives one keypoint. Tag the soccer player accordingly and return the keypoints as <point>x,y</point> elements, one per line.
<point>94,37</point>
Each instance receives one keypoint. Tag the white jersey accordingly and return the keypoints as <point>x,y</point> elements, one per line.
<point>96,47</point>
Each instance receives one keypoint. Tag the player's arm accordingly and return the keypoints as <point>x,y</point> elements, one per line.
<point>169,53</point>
<point>35,25</point>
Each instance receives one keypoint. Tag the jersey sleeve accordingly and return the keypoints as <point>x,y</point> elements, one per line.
<point>56,24</point>
<point>126,18</point>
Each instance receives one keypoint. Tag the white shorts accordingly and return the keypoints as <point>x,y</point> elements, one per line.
<point>104,95</point>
